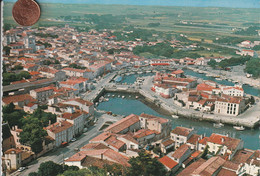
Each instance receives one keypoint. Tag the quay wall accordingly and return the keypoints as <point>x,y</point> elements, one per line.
<point>182,113</point>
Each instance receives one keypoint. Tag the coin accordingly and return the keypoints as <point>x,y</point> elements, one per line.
<point>26,12</point>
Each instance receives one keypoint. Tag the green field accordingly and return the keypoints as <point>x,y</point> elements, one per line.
<point>203,23</point>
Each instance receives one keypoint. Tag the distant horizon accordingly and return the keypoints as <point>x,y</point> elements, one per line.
<point>185,3</point>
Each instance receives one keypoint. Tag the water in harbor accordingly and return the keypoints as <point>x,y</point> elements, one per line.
<point>248,89</point>
<point>130,105</point>
<point>130,79</point>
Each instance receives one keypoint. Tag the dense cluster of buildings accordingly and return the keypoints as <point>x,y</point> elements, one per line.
<point>206,96</point>
<point>122,140</point>
<point>63,64</point>
<point>183,151</point>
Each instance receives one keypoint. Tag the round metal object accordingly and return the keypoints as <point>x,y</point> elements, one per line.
<point>26,12</point>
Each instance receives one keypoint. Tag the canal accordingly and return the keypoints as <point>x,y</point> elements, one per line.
<point>130,105</point>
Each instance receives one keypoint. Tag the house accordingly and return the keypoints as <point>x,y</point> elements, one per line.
<point>8,141</point>
<point>178,73</point>
<point>30,67</point>
<point>102,154</point>
<point>234,91</point>
<point>77,118</point>
<point>181,154</point>
<point>227,105</point>
<point>83,105</point>
<point>42,94</point>
<point>30,107</point>
<point>169,164</point>
<point>18,100</point>
<point>53,73</point>
<point>161,125</point>
<point>210,167</point>
<point>61,132</point>
<point>220,144</point>
<point>193,141</point>
<point>167,145</point>
<point>13,159</point>
<point>80,84</point>
<point>72,72</point>
<point>163,90</point>
<point>129,123</point>
<point>181,135</point>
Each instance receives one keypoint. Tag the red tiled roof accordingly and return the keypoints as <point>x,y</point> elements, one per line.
<point>226,172</point>
<point>18,98</point>
<point>152,117</point>
<point>71,116</point>
<point>123,124</point>
<point>182,131</point>
<point>113,141</point>
<point>101,137</point>
<point>180,151</point>
<point>44,89</point>
<point>94,146</point>
<point>193,139</point>
<point>231,143</point>
<point>59,126</point>
<point>143,133</point>
<point>168,162</point>
<point>177,72</point>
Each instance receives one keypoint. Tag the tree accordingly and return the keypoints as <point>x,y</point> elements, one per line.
<point>146,166</point>
<point>252,100</point>
<point>33,135</point>
<point>212,63</point>
<point>50,168</point>
<point>84,172</point>
<point>25,74</point>
<point>114,169</point>
<point>33,174</point>
<point>6,49</point>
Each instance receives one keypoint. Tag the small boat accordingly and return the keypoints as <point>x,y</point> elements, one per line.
<point>108,95</point>
<point>118,96</point>
<point>218,125</point>
<point>113,95</point>
<point>96,103</point>
<point>218,79</point>
<point>123,96</point>
<point>175,116</point>
<point>136,97</point>
<point>239,128</point>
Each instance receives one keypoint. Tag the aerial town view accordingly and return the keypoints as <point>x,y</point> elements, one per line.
<point>132,89</point>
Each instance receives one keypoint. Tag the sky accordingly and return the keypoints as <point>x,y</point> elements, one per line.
<point>195,3</point>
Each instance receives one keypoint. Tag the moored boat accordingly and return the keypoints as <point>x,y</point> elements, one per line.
<point>239,128</point>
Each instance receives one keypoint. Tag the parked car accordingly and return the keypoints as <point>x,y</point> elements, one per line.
<point>21,169</point>
<point>73,139</point>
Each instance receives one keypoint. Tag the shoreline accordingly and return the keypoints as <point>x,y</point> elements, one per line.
<point>184,113</point>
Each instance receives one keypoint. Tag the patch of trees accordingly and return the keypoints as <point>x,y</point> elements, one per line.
<point>76,66</point>
<point>49,62</point>
<point>11,77</point>
<point>43,35</point>
<point>252,30</point>
<point>229,40</point>
<point>164,49</point>
<point>46,44</point>
<point>253,67</point>
<point>12,115</point>
<point>257,48</point>
<point>17,67</point>
<point>143,34</point>
<point>32,125</point>
<point>53,169</point>
<point>6,49</point>
<point>233,61</point>
<point>144,164</point>
<point>153,24</point>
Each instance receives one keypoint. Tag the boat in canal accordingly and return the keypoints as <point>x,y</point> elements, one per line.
<point>239,128</point>
<point>175,116</point>
<point>218,125</point>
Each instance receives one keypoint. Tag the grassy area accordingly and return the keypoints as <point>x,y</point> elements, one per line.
<point>207,23</point>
